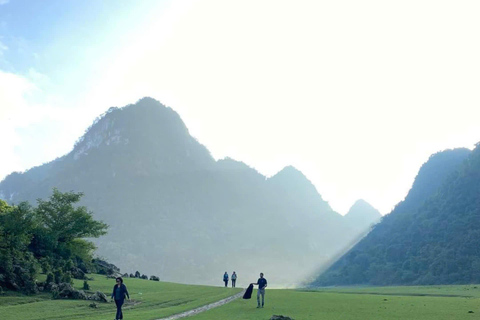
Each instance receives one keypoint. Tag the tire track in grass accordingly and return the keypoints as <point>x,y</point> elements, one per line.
<point>204,308</point>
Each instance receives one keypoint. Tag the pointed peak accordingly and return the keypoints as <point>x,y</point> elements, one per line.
<point>360,203</point>
<point>290,171</point>
<point>362,214</point>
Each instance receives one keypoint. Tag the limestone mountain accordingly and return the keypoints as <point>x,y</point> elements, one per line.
<point>432,237</point>
<point>362,215</point>
<point>176,212</point>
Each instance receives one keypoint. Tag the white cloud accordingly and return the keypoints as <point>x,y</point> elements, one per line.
<point>27,115</point>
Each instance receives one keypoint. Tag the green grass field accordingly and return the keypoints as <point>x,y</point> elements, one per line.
<point>371,303</point>
<point>152,300</point>
<point>159,299</point>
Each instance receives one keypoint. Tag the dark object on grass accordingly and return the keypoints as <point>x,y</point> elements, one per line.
<point>93,305</point>
<point>470,311</point>
<point>86,286</point>
<point>144,276</point>
<point>137,274</point>
<point>248,292</point>
<point>274,317</point>
<point>154,278</point>
<point>132,275</point>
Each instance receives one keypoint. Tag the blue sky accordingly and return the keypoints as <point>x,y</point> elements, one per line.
<point>355,94</point>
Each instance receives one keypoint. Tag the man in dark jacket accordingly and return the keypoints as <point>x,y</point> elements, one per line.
<point>262,284</point>
<point>118,294</point>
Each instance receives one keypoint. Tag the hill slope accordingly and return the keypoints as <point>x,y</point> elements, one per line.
<point>432,237</point>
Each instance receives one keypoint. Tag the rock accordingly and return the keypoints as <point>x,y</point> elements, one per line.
<point>80,295</point>
<point>78,273</point>
<point>274,317</point>
<point>104,267</point>
<point>154,278</point>
<point>93,305</point>
<point>66,291</point>
<point>98,296</point>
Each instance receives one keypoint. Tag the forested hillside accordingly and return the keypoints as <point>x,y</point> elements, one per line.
<point>432,237</point>
<point>176,212</point>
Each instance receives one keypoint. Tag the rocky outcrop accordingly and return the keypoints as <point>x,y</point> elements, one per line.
<point>66,291</point>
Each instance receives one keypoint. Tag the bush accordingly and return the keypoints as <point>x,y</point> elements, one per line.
<point>86,286</point>
<point>49,278</point>
<point>58,276</point>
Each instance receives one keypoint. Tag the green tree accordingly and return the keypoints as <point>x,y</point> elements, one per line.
<point>63,227</point>
<point>17,265</point>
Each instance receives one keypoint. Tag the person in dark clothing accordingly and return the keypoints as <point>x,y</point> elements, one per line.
<point>234,279</point>
<point>225,279</point>
<point>262,284</point>
<point>118,294</point>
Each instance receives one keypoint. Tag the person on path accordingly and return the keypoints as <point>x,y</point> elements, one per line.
<point>234,279</point>
<point>225,279</point>
<point>262,284</point>
<point>118,294</point>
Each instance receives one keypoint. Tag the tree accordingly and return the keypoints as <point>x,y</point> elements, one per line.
<point>59,239</point>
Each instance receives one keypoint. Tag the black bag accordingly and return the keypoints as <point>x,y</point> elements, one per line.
<point>248,293</point>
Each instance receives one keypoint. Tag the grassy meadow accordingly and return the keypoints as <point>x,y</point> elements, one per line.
<point>370,303</point>
<point>149,300</point>
<point>153,300</point>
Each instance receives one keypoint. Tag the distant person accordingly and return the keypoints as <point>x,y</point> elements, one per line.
<point>225,279</point>
<point>234,279</point>
<point>118,294</point>
<point>262,284</point>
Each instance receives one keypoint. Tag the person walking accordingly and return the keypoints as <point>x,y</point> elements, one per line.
<point>225,279</point>
<point>234,279</point>
<point>262,284</point>
<point>118,294</point>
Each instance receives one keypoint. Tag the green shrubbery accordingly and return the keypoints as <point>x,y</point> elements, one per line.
<point>48,238</point>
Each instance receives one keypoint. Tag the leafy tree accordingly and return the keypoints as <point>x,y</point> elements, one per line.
<point>17,265</point>
<point>49,237</point>
<point>59,236</point>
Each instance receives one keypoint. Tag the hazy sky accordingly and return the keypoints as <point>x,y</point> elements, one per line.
<point>355,94</point>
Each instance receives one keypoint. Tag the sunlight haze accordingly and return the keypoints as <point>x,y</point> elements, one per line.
<point>355,94</point>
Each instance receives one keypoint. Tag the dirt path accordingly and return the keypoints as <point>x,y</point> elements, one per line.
<point>195,311</point>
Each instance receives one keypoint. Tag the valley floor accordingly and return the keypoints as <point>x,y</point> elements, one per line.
<point>156,300</point>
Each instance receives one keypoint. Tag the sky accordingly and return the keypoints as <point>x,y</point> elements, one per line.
<point>355,94</point>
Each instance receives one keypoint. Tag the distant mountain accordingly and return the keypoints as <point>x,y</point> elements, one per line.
<point>362,215</point>
<point>432,237</point>
<point>176,212</point>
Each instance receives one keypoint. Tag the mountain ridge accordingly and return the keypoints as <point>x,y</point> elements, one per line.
<point>175,211</point>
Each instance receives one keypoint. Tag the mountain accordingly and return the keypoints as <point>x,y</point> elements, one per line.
<point>432,237</point>
<point>176,212</point>
<point>362,215</point>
